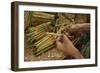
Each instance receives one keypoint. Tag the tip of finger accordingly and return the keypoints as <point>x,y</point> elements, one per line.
<point>58,39</point>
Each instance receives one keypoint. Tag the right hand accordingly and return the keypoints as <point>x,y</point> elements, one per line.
<point>67,47</point>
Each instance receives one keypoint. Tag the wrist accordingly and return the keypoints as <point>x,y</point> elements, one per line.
<point>77,54</point>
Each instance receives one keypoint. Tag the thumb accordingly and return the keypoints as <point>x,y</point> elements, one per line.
<point>58,42</point>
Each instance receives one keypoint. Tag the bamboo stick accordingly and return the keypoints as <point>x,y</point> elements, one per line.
<point>54,34</point>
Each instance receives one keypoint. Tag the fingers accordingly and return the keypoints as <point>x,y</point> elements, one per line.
<point>63,39</point>
<point>58,41</point>
<point>59,44</point>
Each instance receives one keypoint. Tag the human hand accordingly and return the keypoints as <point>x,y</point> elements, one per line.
<point>67,47</point>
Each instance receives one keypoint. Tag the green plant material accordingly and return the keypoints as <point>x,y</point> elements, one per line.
<point>81,18</point>
<point>41,41</point>
<point>45,44</point>
<point>41,27</point>
<point>41,17</point>
<point>48,40</point>
<point>36,37</point>
<point>54,34</point>
<point>83,44</point>
<point>75,41</point>
<point>85,51</point>
<point>44,50</point>
<point>37,32</point>
<point>69,16</point>
<point>41,47</point>
<point>27,17</point>
<point>62,20</point>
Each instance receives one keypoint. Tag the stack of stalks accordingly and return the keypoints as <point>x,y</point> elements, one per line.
<point>44,44</point>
